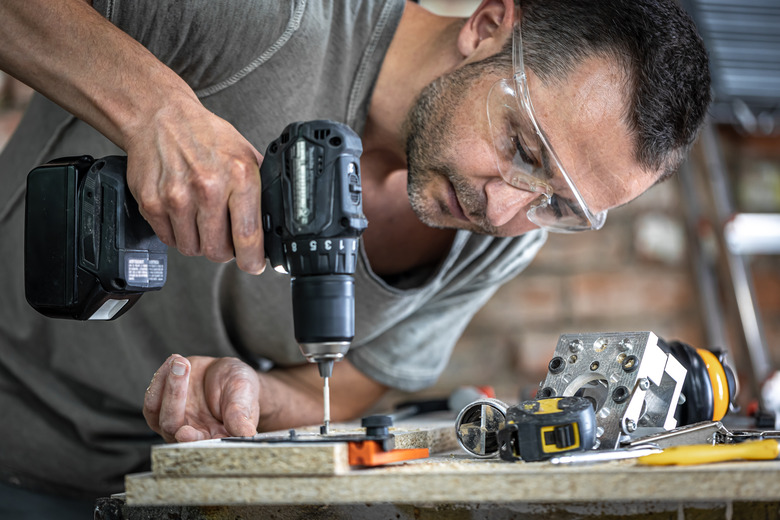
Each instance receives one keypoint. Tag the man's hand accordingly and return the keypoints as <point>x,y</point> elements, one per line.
<point>197,183</point>
<point>198,398</point>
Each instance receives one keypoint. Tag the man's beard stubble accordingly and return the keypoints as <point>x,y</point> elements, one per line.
<point>428,126</point>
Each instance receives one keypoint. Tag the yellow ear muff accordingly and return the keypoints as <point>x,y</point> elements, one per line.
<point>720,387</point>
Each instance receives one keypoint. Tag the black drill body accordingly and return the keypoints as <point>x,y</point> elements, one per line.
<point>312,220</point>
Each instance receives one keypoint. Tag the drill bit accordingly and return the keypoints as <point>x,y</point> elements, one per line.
<point>325,407</point>
<point>326,371</point>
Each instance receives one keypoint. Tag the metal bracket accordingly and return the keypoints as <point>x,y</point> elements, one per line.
<point>628,378</point>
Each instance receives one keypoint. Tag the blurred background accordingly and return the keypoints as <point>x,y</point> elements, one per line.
<point>662,263</point>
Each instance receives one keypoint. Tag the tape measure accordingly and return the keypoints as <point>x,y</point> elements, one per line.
<point>539,429</point>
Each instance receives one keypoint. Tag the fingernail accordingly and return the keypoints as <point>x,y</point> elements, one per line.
<point>178,368</point>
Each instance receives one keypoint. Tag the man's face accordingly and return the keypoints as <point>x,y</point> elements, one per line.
<point>453,178</point>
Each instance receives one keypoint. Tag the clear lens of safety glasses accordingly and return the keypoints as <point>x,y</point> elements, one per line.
<point>526,160</point>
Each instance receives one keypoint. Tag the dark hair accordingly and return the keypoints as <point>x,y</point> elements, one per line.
<point>656,43</point>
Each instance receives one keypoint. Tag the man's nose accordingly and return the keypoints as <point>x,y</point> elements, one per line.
<point>504,202</point>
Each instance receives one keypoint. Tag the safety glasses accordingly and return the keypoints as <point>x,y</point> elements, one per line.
<point>525,158</point>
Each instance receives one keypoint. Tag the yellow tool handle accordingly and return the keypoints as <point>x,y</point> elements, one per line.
<point>766,449</point>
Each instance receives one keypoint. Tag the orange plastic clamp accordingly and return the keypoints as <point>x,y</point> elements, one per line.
<point>370,453</point>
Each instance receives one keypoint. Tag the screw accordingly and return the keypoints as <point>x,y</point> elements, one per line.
<point>576,345</point>
<point>630,425</point>
<point>625,344</point>
<point>644,383</point>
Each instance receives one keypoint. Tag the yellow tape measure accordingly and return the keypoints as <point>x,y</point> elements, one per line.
<point>539,429</point>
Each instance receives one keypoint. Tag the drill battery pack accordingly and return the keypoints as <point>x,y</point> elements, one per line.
<point>88,252</point>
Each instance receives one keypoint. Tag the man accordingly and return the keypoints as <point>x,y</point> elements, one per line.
<point>465,147</point>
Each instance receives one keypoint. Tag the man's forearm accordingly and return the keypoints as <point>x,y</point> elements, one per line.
<point>69,52</point>
<point>292,397</point>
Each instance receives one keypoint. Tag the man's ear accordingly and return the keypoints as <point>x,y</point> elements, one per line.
<point>491,22</point>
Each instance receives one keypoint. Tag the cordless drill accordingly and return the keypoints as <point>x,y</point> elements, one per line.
<point>90,255</point>
<point>312,220</point>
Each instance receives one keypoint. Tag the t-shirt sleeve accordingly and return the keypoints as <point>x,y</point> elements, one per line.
<point>412,353</point>
<point>206,42</point>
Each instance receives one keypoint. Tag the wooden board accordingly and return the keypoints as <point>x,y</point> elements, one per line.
<point>221,458</point>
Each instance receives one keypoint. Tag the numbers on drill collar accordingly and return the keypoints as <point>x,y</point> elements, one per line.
<point>314,246</point>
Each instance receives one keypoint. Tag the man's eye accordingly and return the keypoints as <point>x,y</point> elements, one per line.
<point>522,152</point>
<point>555,205</point>
<point>561,206</point>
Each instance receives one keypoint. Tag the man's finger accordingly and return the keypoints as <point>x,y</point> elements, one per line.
<point>214,229</point>
<point>246,223</point>
<point>155,215</point>
<point>240,405</point>
<point>185,233</point>
<point>153,396</point>
<point>189,434</point>
<point>174,397</point>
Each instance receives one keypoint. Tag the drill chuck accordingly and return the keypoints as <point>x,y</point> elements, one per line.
<point>324,314</point>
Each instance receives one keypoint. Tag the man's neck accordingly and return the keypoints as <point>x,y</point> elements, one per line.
<point>423,48</point>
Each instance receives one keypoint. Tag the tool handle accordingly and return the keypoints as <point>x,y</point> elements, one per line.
<point>766,449</point>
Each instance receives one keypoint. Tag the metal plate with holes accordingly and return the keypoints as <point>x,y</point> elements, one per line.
<point>629,380</point>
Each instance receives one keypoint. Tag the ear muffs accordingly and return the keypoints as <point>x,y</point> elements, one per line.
<point>710,386</point>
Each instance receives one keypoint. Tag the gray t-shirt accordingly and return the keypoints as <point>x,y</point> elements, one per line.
<point>71,392</point>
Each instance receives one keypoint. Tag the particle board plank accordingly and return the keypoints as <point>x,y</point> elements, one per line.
<point>219,458</point>
<point>456,478</point>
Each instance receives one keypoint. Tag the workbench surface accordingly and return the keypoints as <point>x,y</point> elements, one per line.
<point>456,478</point>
